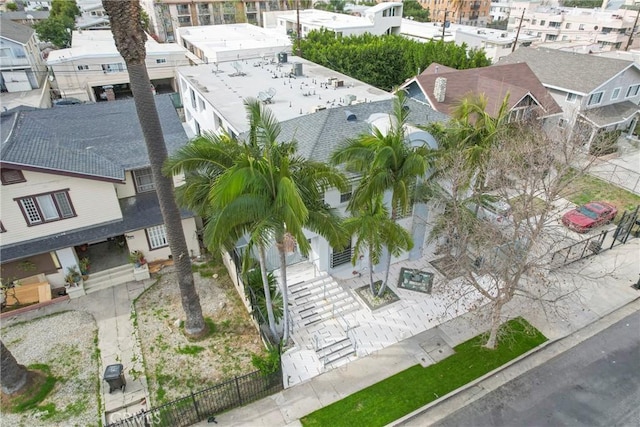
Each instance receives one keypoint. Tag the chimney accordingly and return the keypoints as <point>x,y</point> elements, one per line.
<point>440,89</point>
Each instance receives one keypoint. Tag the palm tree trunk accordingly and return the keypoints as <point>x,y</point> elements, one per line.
<point>145,106</point>
<point>285,289</point>
<point>370,264</point>
<point>267,293</point>
<point>13,376</point>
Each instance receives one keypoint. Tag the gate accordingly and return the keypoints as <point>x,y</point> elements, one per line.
<point>596,244</point>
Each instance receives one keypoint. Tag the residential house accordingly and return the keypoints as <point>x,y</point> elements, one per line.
<point>75,181</point>
<point>475,12</point>
<point>93,70</point>
<point>442,88</point>
<point>24,17</point>
<point>596,94</point>
<point>167,16</point>
<point>92,16</point>
<point>21,64</point>
<point>383,18</point>
<point>229,42</point>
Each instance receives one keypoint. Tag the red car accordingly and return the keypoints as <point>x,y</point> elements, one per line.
<point>591,215</point>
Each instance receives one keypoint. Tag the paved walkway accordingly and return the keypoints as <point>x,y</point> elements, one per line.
<point>592,289</point>
<point>117,342</point>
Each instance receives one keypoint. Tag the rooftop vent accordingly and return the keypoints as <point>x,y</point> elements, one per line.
<point>282,58</point>
<point>350,116</point>
<point>296,69</point>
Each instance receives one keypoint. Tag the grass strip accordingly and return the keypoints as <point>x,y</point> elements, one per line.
<point>413,388</point>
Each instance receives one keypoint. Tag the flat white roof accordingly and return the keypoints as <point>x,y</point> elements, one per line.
<point>294,96</point>
<point>433,30</point>
<point>211,39</point>
<point>330,20</point>
<point>100,43</point>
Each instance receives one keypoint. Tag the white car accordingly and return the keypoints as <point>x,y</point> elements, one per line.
<point>494,211</point>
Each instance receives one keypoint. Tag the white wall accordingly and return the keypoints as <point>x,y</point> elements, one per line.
<point>139,242</point>
<point>93,201</point>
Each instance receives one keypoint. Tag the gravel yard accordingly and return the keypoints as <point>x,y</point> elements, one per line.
<point>66,343</point>
<point>176,366</point>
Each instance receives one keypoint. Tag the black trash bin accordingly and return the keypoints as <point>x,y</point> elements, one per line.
<point>114,376</point>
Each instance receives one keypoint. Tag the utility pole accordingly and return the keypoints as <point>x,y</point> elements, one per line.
<point>298,27</point>
<point>515,42</point>
<point>444,23</point>
<point>633,29</point>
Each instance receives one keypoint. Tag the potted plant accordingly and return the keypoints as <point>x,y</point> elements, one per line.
<point>85,266</point>
<point>137,258</point>
<point>73,276</point>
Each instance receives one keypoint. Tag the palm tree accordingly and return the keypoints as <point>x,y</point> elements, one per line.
<point>386,162</point>
<point>130,38</point>
<point>374,229</point>
<point>13,376</point>
<point>262,188</point>
<point>475,131</point>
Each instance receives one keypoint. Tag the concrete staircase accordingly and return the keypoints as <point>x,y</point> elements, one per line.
<point>315,307</point>
<point>108,278</point>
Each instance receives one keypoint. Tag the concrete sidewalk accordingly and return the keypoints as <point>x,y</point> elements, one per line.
<point>596,287</point>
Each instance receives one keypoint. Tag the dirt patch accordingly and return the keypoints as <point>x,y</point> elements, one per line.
<point>175,366</point>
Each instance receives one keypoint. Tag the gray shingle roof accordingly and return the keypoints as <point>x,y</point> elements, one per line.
<point>16,32</point>
<point>318,134</point>
<point>612,113</point>
<point>99,140</point>
<point>575,72</point>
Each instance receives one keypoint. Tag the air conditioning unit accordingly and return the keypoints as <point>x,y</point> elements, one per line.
<point>338,83</point>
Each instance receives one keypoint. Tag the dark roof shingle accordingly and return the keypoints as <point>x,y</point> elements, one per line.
<point>99,140</point>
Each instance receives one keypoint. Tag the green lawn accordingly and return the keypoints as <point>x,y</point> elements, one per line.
<point>586,188</point>
<point>413,388</point>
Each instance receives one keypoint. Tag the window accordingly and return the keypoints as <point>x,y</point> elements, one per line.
<point>47,207</point>
<point>568,25</point>
<point>2,229</point>
<point>633,90</point>
<point>184,21</point>
<point>345,197</point>
<point>571,97</point>
<point>183,9</point>
<point>615,94</point>
<point>143,180</point>
<point>595,98</point>
<point>341,257</point>
<point>201,104</point>
<point>12,176</point>
<point>554,24</point>
<point>157,237</point>
<point>83,67</point>
<point>113,68</point>
<point>542,22</point>
<point>161,61</point>
<point>193,98</point>
<point>581,27</point>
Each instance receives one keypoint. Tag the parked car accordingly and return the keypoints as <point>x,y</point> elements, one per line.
<point>492,209</point>
<point>66,101</point>
<point>591,215</point>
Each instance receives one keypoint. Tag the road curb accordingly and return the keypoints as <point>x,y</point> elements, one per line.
<point>554,347</point>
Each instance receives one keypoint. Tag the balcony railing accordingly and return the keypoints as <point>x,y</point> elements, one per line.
<point>341,257</point>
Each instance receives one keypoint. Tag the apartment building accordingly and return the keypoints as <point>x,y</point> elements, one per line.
<point>93,70</point>
<point>167,16</point>
<point>608,29</point>
<point>466,12</point>
<point>384,18</point>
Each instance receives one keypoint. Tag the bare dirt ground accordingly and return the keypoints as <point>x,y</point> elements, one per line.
<point>65,345</point>
<point>174,365</point>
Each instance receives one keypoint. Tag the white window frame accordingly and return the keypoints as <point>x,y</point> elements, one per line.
<point>616,93</point>
<point>161,61</point>
<point>633,88</point>
<point>116,67</point>
<point>83,67</point>
<point>157,237</point>
<point>143,187</point>
<point>593,96</point>
<point>571,97</point>
<point>47,207</point>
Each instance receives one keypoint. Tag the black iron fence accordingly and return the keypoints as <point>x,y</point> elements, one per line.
<point>199,406</point>
<point>598,243</point>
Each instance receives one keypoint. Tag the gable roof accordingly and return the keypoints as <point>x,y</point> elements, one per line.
<point>495,82</point>
<point>574,72</point>
<point>318,134</point>
<point>100,140</point>
<point>16,32</point>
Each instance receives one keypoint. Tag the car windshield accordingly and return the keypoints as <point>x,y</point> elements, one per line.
<point>588,213</point>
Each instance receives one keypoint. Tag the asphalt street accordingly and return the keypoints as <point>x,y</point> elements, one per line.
<point>596,383</point>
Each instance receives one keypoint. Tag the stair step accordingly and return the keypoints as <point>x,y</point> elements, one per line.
<point>307,299</point>
<point>340,359</point>
<point>334,346</point>
<point>110,271</point>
